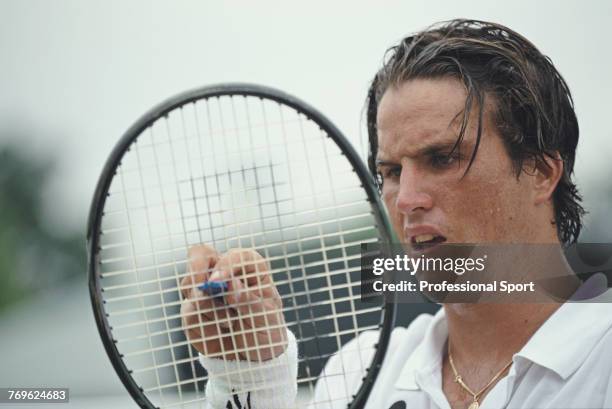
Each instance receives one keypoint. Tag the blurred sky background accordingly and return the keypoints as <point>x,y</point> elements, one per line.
<point>74,75</point>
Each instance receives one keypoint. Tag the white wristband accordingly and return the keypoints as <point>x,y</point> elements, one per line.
<point>269,384</point>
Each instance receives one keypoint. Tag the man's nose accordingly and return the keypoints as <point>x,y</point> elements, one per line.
<point>412,195</point>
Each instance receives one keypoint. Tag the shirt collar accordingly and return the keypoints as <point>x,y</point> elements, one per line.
<point>427,356</point>
<point>561,344</point>
<point>565,340</point>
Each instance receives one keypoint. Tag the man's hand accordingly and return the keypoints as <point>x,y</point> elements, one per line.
<point>246,321</point>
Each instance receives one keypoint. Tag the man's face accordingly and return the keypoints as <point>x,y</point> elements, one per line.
<point>427,198</point>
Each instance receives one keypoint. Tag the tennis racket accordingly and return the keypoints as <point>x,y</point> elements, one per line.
<point>233,166</point>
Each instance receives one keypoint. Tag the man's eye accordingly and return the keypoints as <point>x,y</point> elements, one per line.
<point>392,172</point>
<point>387,174</point>
<point>442,161</point>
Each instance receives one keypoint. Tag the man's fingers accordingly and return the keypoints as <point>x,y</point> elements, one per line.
<point>252,270</point>
<point>199,306</point>
<point>202,257</point>
<point>202,308</point>
<point>239,295</point>
<point>243,309</point>
<point>253,309</point>
<point>201,260</point>
<point>246,263</point>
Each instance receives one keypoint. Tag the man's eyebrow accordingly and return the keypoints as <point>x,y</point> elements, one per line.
<point>435,147</point>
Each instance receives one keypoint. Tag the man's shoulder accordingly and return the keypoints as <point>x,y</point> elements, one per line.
<point>362,348</point>
<point>405,340</point>
<point>413,333</point>
<point>417,326</point>
<point>402,338</point>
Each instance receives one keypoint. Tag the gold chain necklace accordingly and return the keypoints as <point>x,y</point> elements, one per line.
<point>459,380</point>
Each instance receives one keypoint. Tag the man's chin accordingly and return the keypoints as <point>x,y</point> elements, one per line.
<point>447,249</point>
<point>438,256</point>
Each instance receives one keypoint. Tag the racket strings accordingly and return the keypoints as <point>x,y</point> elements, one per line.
<point>147,329</point>
<point>173,198</point>
<point>278,326</point>
<point>275,202</point>
<point>292,308</point>
<point>217,322</point>
<point>316,335</point>
<point>272,245</point>
<point>344,285</point>
<point>122,310</point>
<point>300,360</point>
<point>275,270</point>
<point>260,214</point>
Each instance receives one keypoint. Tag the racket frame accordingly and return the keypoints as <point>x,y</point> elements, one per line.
<point>101,193</point>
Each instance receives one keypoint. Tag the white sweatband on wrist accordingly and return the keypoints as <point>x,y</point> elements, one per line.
<point>269,384</point>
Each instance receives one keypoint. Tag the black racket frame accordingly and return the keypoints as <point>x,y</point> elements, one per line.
<point>114,160</point>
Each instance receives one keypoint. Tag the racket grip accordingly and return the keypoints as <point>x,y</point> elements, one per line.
<point>214,288</point>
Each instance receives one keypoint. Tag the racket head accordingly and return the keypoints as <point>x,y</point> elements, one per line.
<point>99,246</point>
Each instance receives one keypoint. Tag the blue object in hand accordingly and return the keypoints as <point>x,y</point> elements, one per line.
<point>214,288</point>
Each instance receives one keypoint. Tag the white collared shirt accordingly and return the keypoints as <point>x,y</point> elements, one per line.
<point>566,364</point>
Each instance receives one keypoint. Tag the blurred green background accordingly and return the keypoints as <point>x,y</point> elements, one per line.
<point>33,256</point>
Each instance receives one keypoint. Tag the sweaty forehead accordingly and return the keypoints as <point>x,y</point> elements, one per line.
<point>417,113</point>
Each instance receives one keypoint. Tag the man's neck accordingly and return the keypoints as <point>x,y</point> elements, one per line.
<point>483,339</point>
<point>480,332</point>
<point>493,332</point>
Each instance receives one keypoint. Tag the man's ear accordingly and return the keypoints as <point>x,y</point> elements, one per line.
<point>548,172</point>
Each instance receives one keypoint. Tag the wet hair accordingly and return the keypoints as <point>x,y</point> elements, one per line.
<point>532,109</point>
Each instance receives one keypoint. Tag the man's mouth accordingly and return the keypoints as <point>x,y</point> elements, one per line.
<point>422,242</point>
